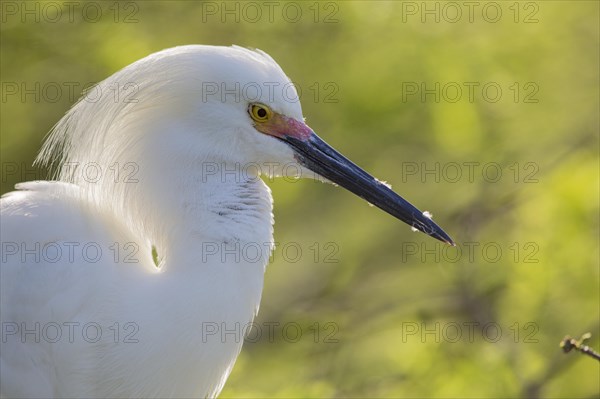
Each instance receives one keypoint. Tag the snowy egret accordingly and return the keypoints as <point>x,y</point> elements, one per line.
<point>123,278</point>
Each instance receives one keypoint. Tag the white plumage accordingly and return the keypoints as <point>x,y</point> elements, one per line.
<point>139,251</point>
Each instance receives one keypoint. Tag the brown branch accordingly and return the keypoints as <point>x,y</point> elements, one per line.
<point>569,344</point>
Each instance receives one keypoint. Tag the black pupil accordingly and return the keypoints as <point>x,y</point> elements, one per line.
<point>261,112</point>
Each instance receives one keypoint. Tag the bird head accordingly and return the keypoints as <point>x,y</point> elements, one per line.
<point>195,105</point>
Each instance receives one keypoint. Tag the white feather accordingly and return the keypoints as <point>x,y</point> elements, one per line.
<point>156,138</point>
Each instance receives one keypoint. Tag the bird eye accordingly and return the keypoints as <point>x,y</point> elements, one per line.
<point>259,112</point>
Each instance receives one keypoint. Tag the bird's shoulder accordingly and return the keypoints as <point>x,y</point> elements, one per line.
<point>50,211</point>
<point>55,244</point>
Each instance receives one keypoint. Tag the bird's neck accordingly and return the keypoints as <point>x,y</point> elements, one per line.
<point>223,203</point>
<point>210,207</point>
<point>213,233</point>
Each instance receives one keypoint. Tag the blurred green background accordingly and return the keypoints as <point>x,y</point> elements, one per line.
<point>358,304</point>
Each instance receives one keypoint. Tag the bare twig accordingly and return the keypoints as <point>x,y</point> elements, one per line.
<point>569,344</point>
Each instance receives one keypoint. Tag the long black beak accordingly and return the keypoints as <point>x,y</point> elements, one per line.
<point>318,156</point>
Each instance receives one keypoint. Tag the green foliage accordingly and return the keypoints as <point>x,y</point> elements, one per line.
<point>379,307</point>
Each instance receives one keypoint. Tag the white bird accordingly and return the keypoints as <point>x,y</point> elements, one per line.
<point>123,277</point>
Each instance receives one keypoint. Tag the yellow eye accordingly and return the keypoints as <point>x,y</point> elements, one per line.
<point>260,112</point>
